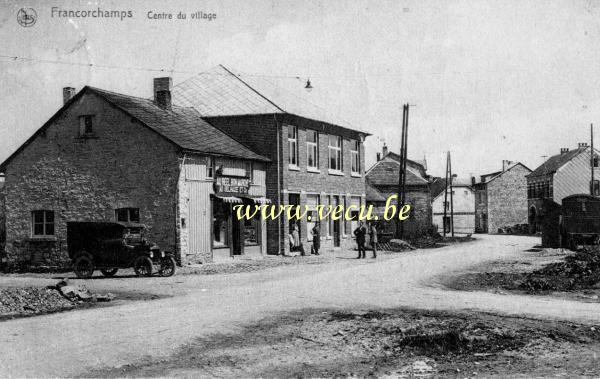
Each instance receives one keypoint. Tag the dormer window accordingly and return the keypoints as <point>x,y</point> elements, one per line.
<point>86,126</point>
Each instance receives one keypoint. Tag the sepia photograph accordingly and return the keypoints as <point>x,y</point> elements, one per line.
<point>299,189</point>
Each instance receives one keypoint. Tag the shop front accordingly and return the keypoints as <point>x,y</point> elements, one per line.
<point>232,237</point>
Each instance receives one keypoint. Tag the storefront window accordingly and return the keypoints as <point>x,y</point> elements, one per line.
<point>251,232</point>
<point>220,224</point>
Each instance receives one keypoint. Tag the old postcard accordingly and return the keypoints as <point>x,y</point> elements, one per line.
<point>315,189</point>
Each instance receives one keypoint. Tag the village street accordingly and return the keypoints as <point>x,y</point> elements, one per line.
<point>71,343</point>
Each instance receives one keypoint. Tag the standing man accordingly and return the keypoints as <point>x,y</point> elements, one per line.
<point>360,234</point>
<point>373,238</point>
<point>316,238</point>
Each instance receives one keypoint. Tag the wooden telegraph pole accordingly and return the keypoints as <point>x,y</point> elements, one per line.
<point>446,193</point>
<point>592,192</point>
<point>451,195</point>
<point>402,171</point>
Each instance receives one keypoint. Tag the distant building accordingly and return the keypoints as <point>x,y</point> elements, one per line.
<point>382,182</point>
<point>463,206</point>
<point>561,175</point>
<point>501,198</point>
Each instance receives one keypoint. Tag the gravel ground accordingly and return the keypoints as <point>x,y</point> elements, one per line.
<point>379,343</point>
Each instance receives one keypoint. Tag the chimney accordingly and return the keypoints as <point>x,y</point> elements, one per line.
<point>505,165</point>
<point>162,92</point>
<point>582,144</point>
<point>68,93</point>
<point>378,157</point>
<point>384,150</point>
<point>564,150</point>
<point>473,180</point>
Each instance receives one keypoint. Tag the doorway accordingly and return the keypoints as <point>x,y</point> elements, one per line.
<point>336,224</point>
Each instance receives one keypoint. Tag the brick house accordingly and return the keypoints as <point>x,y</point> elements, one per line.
<point>561,175</point>
<point>382,177</point>
<point>110,157</point>
<point>463,206</point>
<point>315,158</point>
<point>501,198</point>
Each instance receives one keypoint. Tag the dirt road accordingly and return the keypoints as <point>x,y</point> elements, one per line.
<point>70,343</point>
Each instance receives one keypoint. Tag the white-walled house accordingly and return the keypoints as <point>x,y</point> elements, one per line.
<point>463,201</point>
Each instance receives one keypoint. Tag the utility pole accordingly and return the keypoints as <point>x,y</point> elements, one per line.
<point>451,195</point>
<point>402,170</point>
<point>404,159</point>
<point>446,194</point>
<point>592,186</point>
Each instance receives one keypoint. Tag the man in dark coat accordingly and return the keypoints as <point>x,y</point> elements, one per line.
<point>373,238</point>
<point>360,234</point>
<point>316,239</point>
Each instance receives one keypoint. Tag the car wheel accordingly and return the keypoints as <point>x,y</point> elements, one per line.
<point>109,272</point>
<point>83,267</point>
<point>167,266</point>
<point>143,266</point>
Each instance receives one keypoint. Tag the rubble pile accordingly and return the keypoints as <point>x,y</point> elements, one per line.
<point>31,300</point>
<point>28,301</point>
<point>580,270</point>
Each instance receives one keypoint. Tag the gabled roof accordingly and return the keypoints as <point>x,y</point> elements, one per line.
<point>181,126</point>
<point>552,164</point>
<point>373,194</point>
<point>486,178</point>
<point>438,185</point>
<point>220,92</point>
<point>386,172</point>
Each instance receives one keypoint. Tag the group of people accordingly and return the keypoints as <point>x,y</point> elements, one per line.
<point>360,233</point>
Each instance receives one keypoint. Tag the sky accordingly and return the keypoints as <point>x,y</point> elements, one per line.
<point>486,80</point>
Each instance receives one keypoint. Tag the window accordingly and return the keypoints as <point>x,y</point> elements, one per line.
<point>293,145</point>
<point>43,223</point>
<point>335,153</point>
<point>252,232</point>
<point>312,148</point>
<point>596,189</point>
<point>220,211</point>
<point>596,161</point>
<point>127,215</point>
<point>210,167</point>
<point>355,156</point>
<point>86,125</point>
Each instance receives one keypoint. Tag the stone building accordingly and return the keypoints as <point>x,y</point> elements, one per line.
<point>562,175</point>
<point>382,182</point>
<point>110,157</point>
<point>501,198</point>
<point>462,203</point>
<point>316,158</point>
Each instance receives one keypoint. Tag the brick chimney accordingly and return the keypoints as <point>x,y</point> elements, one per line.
<point>564,150</point>
<point>162,92</point>
<point>378,157</point>
<point>384,151</point>
<point>582,144</point>
<point>68,93</point>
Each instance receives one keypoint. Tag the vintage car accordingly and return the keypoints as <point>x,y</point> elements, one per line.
<point>109,246</point>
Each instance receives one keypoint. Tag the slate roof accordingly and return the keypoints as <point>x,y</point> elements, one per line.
<point>180,125</point>
<point>221,92</point>
<point>555,162</point>
<point>486,178</point>
<point>386,172</point>
<point>373,194</point>
<point>438,185</point>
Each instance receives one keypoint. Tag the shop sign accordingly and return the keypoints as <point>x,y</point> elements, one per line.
<point>231,185</point>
